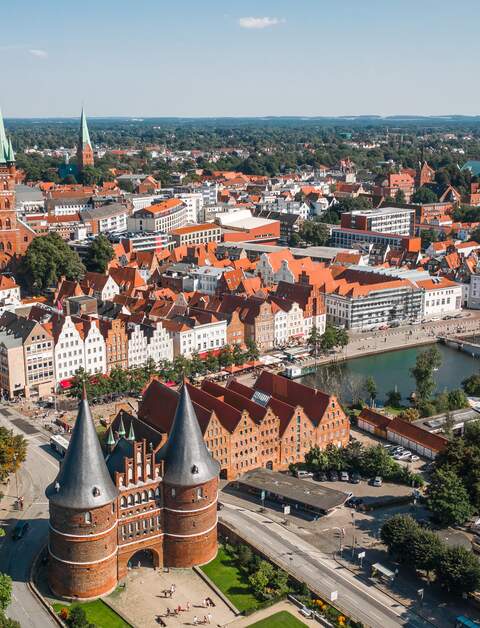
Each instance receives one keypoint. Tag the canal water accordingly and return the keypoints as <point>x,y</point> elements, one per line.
<point>390,370</point>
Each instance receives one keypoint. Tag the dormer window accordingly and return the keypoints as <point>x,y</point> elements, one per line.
<point>96,491</point>
<point>194,469</point>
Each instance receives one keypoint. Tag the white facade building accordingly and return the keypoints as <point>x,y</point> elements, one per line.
<point>148,341</point>
<point>194,204</point>
<point>160,343</point>
<point>206,278</point>
<point>319,321</point>
<point>69,350</point>
<point>190,336</point>
<point>441,297</point>
<point>288,324</point>
<point>94,349</point>
<point>473,299</point>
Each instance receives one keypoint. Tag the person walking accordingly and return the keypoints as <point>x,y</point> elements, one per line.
<point>195,620</point>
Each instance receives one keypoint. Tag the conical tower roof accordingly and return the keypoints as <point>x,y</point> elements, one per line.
<point>3,141</point>
<point>84,134</point>
<point>83,481</point>
<point>186,457</point>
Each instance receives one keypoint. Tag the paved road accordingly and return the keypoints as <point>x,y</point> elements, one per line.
<point>16,557</point>
<point>365,603</point>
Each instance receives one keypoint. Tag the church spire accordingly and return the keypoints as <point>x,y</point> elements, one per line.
<point>84,134</point>
<point>4,146</point>
<point>83,481</point>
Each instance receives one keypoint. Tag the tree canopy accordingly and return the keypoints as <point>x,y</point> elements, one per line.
<point>99,254</point>
<point>47,259</point>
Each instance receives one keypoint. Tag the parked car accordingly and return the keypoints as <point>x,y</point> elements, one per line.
<point>355,478</point>
<point>344,476</point>
<point>414,458</point>
<point>354,502</point>
<point>333,476</point>
<point>377,481</point>
<point>321,476</point>
<point>303,474</point>
<point>20,530</point>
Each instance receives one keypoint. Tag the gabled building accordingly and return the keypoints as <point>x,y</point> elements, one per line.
<point>140,499</point>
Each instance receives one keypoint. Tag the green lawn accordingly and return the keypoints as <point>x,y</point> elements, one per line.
<point>231,581</point>
<point>283,619</point>
<point>98,613</point>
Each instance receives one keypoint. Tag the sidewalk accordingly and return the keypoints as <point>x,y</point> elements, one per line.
<point>405,587</point>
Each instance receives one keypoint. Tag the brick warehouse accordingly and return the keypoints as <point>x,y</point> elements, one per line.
<point>140,498</point>
<point>270,425</point>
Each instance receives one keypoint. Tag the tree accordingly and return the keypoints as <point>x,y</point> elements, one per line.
<point>238,355</point>
<point>457,399</point>
<point>77,617</point>
<point>315,233</point>
<point>314,340</point>
<point>397,532</point>
<point>342,337</point>
<point>5,591</point>
<point>394,398</point>
<point>371,388</point>
<point>245,556</point>
<point>458,570</point>
<point>376,461</point>
<point>211,363</point>
<point>424,195</point>
<point>252,352</point>
<point>424,550</point>
<point>400,197</point>
<point>447,498</point>
<point>471,385</point>
<point>90,175</point>
<point>329,339</point>
<point>225,357</point>
<point>13,451</point>
<point>261,578</point>
<point>409,415</point>
<point>47,259</point>
<point>99,254</point>
<point>425,365</point>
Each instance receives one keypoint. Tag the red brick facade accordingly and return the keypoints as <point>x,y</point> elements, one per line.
<point>90,551</point>
<point>241,433</point>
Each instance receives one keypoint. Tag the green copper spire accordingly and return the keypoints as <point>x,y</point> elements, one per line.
<point>10,156</point>
<point>121,428</point>
<point>84,134</point>
<point>110,439</point>
<point>131,433</point>
<point>3,141</point>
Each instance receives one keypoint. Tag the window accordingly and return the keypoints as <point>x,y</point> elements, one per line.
<point>199,493</point>
<point>88,517</point>
<point>173,492</point>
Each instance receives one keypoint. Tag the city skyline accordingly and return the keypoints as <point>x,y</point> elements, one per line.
<point>260,59</point>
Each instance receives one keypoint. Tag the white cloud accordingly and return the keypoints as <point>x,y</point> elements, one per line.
<point>36,52</point>
<point>259,22</point>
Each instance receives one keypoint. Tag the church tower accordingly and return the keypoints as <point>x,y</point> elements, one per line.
<point>83,517</point>
<point>84,148</point>
<point>190,491</point>
<point>9,236</point>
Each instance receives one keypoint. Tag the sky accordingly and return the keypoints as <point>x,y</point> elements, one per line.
<point>213,58</point>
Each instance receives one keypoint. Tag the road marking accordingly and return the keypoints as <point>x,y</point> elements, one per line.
<point>307,549</point>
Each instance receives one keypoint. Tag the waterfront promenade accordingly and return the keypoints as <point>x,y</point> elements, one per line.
<point>381,341</point>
